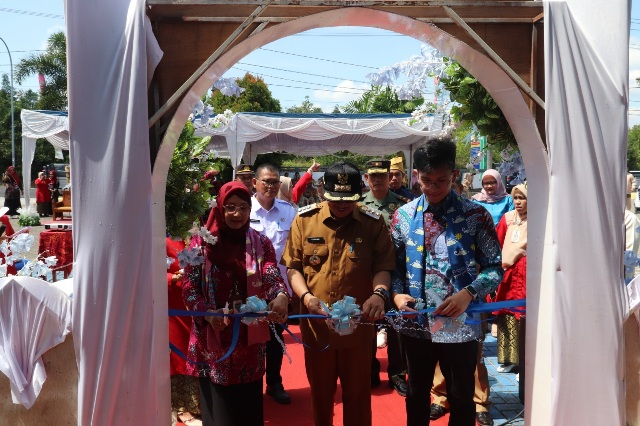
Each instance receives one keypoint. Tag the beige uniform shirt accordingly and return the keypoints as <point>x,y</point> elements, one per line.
<point>338,259</point>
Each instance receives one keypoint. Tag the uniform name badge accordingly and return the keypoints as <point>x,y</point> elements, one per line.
<point>516,236</point>
<point>314,260</point>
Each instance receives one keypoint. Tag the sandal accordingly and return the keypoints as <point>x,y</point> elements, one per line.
<point>507,368</point>
<point>189,421</point>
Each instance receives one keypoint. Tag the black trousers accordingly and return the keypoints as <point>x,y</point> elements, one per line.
<point>233,405</point>
<point>396,357</point>
<point>274,358</point>
<point>458,364</point>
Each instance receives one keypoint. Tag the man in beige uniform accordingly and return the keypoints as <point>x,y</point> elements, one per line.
<point>335,249</point>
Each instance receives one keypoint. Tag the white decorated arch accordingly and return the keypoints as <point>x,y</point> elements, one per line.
<point>575,303</point>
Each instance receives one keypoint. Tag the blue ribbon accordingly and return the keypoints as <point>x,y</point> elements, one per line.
<point>343,316</point>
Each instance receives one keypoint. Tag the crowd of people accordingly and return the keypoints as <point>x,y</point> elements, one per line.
<point>47,192</point>
<point>388,249</point>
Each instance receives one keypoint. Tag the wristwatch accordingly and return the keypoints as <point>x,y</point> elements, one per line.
<point>472,291</point>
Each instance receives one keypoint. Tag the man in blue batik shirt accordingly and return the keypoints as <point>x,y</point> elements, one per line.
<point>448,256</point>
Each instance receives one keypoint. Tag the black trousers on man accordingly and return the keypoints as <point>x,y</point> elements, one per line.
<point>395,355</point>
<point>458,364</point>
<point>274,358</point>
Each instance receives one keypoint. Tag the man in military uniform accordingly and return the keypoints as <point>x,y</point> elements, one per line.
<point>386,202</point>
<point>396,180</point>
<point>338,248</point>
<point>245,175</point>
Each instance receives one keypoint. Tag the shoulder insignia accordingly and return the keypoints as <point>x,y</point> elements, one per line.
<point>369,211</point>
<point>403,199</point>
<point>309,208</point>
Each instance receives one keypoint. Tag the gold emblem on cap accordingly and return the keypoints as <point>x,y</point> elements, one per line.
<point>392,206</point>
<point>343,178</point>
<point>314,260</point>
<point>342,188</point>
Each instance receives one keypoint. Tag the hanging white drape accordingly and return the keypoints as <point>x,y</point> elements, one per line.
<point>586,81</point>
<point>34,317</point>
<point>123,378</point>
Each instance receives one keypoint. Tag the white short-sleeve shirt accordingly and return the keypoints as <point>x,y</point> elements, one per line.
<point>275,225</point>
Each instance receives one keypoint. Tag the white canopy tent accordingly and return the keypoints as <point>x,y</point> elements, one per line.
<point>51,125</point>
<point>249,134</point>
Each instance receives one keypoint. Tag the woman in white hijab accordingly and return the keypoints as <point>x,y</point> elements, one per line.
<point>493,196</point>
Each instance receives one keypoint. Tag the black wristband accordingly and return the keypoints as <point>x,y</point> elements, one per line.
<point>303,295</point>
<point>382,292</point>
<point>375,293</point>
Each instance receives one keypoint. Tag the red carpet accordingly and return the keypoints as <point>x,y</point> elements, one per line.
<point>388,407</point>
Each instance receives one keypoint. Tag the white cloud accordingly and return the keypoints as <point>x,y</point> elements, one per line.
<point>345,92</point>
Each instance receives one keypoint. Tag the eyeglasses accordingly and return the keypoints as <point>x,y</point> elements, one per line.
<point>440,183</point>
<point>490,183</point>
<point>232,208</point>
<point>270,183</point>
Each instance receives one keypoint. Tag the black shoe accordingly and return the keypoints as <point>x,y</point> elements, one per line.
<point>484,418</point>
<point>437,411</point>
<point>375,381</point>
<point>279,394</point>
<point>399,384</point>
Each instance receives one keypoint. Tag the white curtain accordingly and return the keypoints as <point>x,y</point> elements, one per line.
<point>34,317</point>
<point>586,80</point>
<point>122,377</point>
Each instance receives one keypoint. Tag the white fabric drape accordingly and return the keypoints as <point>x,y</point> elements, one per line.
<point>586,80</point>
<point>34,317</point>
<point>52,125</point>
<point>253,134</point>
<point>113,305</point>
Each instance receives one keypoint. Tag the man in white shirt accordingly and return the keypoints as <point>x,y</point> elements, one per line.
<point>272,217</point>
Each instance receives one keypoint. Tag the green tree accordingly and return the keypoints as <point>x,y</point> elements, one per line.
<point>187,193</point>
<point>475,107</point>
<point>5,127</point>
<point>306,108</point>
<point>633,149</point>
<point>380,99</point>
<point>53,65</point>
<point>256,98</point>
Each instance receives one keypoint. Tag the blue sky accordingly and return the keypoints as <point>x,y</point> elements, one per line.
<point>328,65</point>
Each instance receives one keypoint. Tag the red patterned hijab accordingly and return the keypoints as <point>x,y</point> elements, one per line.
<point>229,251</point>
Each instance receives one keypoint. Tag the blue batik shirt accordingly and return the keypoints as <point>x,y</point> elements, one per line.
<point>439,251</point>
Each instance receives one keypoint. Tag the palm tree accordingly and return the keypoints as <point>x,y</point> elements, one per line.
<point>381,100</point>
<point>52,64</point>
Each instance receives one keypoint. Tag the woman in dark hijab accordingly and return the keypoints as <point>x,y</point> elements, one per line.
<point>12,194</point>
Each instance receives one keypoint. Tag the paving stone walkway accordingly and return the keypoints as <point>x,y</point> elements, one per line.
<point>505,403</point>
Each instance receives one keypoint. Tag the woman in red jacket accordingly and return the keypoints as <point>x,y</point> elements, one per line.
<point>43,196</point>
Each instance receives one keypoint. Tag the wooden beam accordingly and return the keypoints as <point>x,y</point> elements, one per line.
<point>260,27</point>
<point>431,20</point>
<point>493,55</point>
<point>359,3</point>
<point>203,68</point>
